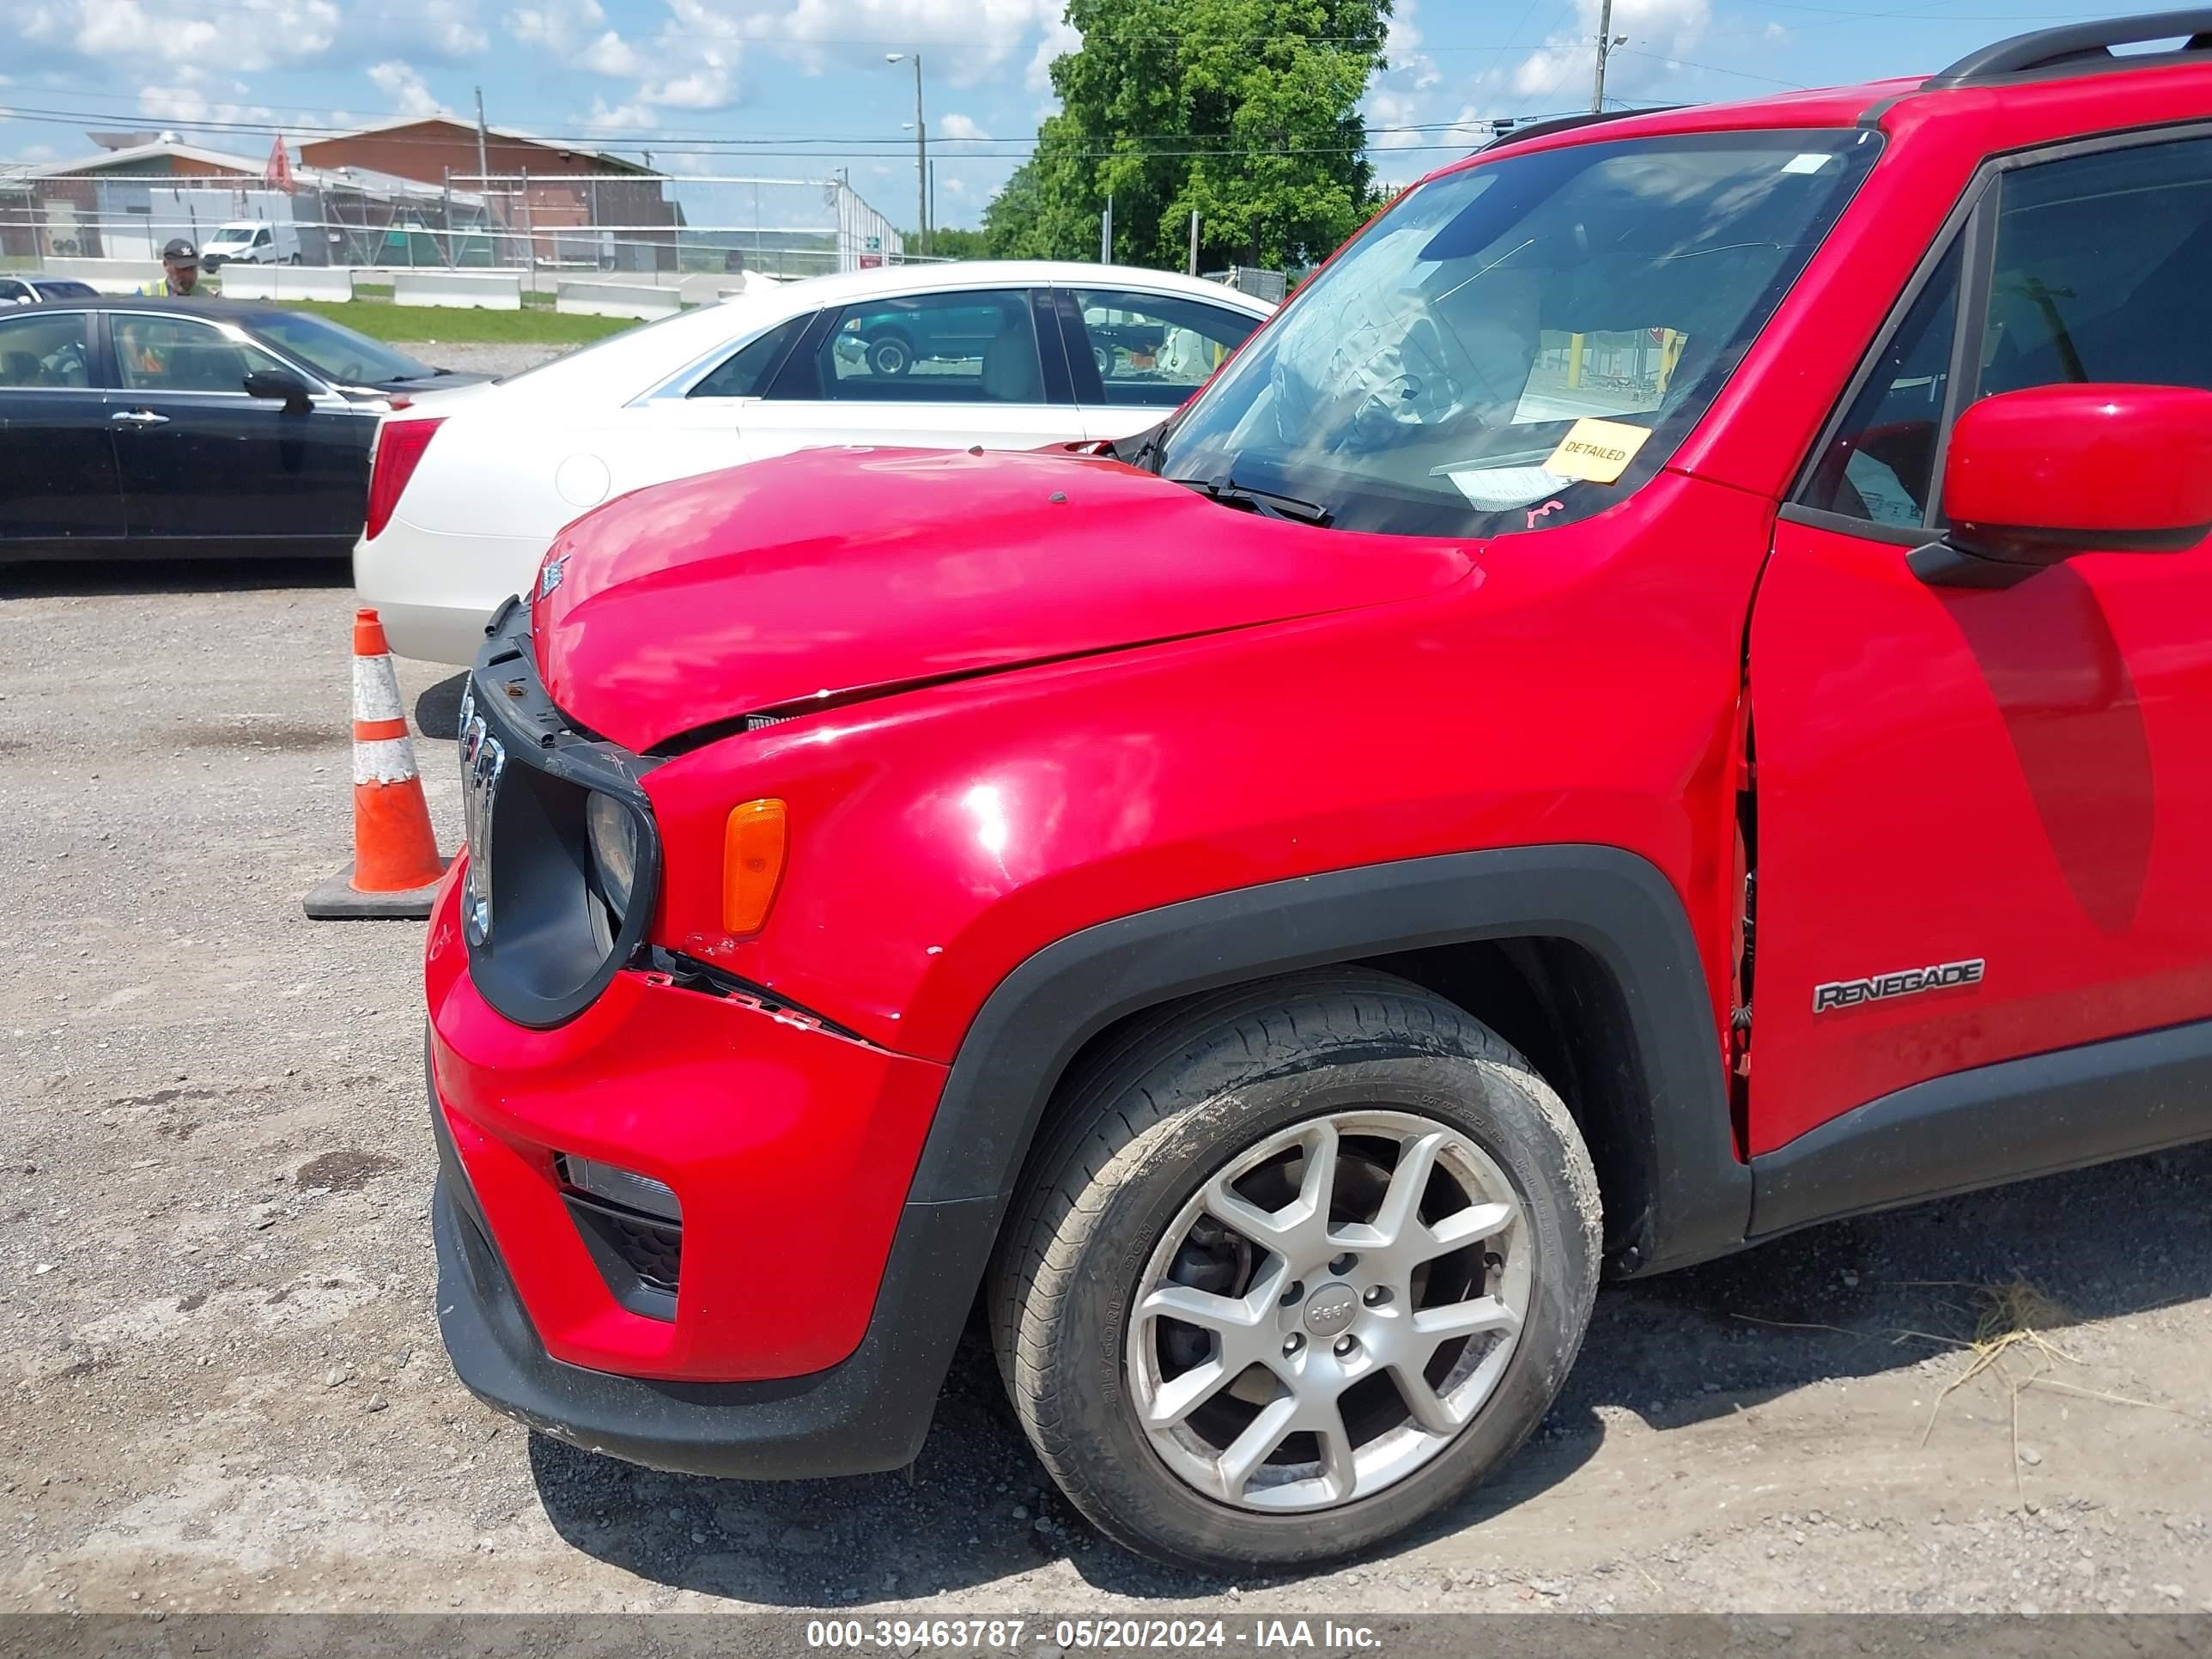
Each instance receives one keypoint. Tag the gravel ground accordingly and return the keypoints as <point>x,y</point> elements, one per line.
<point>225,1387</point>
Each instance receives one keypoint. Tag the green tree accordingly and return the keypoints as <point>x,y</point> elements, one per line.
<point>1245,110</point>
<point>951,243</point>
<point>1013,220</point>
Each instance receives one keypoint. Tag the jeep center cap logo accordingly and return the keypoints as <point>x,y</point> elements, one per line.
<point>1329,1309</point>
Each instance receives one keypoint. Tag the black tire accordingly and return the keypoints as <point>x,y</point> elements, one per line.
<point>889,355</point>
<point>1104,357</point>
<point>1171,1100</point>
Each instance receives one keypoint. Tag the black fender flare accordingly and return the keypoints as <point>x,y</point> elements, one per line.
<point>872,1410</point>
<point>1616,906</point>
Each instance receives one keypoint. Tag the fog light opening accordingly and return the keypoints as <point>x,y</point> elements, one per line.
<point>616,1185</point>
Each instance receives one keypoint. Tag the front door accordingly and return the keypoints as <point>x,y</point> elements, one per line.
<point>929,371</point>
<point>201,460</point>
<point>2012,786</point>
<point>58,490</point>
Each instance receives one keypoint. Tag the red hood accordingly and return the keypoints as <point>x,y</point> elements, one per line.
<point>844,571</point>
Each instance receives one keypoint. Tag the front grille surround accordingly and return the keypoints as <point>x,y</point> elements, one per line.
<point>553,944</point>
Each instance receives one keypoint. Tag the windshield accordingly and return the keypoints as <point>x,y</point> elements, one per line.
<point>1443,373</point>
<point>338,352</point>
<point>241,235</point>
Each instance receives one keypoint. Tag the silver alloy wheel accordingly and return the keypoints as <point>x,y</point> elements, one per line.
<point>1371,1273</point>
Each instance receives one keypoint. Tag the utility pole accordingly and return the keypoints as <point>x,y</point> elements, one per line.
<point>1106,232</point>
<point>484,181</point>
<point>1194,241</point>
<point>921,151</point>
<point>1606,40</point>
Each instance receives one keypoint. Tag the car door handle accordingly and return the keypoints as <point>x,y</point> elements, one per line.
<point>139,417</point>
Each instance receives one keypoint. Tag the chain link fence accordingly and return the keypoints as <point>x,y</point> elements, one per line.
<point>553,223</point>
<point>782,228</point>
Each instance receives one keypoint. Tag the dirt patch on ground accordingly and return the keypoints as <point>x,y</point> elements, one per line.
<point>343,1172</point>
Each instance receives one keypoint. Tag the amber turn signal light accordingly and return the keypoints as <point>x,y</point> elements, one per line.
<point>752,864</point>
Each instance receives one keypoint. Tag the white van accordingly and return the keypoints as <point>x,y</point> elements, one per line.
<point>254,242</point>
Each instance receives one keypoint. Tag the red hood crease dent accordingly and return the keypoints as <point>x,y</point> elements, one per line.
<point>839,571</point>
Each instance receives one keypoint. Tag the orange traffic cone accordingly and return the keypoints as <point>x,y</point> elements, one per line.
<point>395,855</point>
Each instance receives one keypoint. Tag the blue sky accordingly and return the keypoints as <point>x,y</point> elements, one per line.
<point>798,88</point>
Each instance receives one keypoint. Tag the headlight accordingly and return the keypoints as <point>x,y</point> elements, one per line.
<point>612,829</point>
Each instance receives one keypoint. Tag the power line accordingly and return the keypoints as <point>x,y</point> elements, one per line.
<point>1710,69</point>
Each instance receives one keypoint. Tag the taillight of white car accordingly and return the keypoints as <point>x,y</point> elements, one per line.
<point>400,446</point>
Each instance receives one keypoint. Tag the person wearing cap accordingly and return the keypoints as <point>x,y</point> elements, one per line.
<point>181,265</point>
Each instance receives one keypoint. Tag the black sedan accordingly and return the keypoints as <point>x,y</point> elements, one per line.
<point>138,428</point>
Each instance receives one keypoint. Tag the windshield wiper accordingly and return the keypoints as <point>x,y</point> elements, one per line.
<point>1266,502</point>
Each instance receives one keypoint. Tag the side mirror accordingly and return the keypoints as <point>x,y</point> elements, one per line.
<point>2033,477</point>
<point>282,386</point>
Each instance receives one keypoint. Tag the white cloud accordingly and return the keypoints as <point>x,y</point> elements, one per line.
<point>1401,49</point>
<point>1775,35</point>
<point>1655,29</point>
<point>609,55</point>
<point>186,106</point>
<point>962,42</point>
<point>707,87</point>
<point>1391,120</point>
<point>960,127</point>
<point>402,84</point>
<point>697,47</point>
<point>1059,38</point>
<point>255,34</point>
<point>186,103</point>
<point>447,27</point>
<point>619,118</point>
<point>559,26</point>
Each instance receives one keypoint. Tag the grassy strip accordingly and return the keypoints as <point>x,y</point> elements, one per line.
<point>453,326</point>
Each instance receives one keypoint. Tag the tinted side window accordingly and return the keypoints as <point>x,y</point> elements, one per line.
<point>934,348</point>
<point>45,348</point>
<point>2102,270</point>
<point>177,353</point>
<point>746,372</point>
<point>1157,349</point>
<point>1881,465</point>
<point>13,291</point>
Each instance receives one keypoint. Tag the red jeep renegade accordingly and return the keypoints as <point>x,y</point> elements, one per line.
<point>1272,910</point>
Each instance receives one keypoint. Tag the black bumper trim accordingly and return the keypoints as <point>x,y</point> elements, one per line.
<point>869,1413</point>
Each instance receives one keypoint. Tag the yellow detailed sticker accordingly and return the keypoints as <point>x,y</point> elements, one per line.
<point>1596,451</point>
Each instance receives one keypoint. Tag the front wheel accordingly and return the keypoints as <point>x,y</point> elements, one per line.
<point>889,355</point>
<point>1303,1262</point>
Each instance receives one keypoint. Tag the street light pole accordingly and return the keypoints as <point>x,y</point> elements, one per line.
<point>921,151</point>
<point>1606,40</point>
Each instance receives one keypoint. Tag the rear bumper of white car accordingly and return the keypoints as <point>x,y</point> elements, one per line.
<point>434,592</point>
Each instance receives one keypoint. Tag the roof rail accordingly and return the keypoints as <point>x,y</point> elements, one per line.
<point>1564,124</point>
<point>2082,48</point>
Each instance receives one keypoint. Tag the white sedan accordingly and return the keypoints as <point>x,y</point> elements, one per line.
<point>469,490</point>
